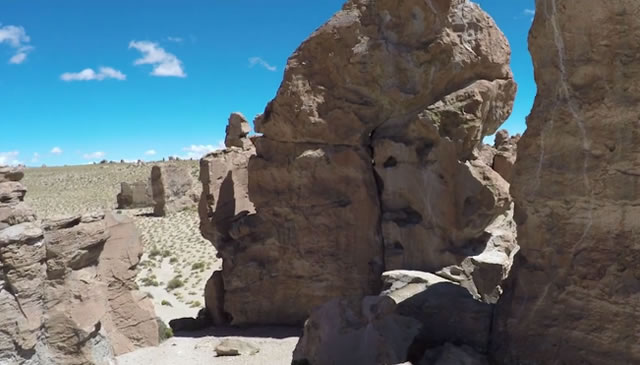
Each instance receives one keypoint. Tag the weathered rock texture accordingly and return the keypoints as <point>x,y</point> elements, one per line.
<point>135,195</point>
<point>576,293</point>
<point>366,163</point>
<point>173,189</point>
<point>67,289</point>
<point>237,131</point>
<point>225,195</point>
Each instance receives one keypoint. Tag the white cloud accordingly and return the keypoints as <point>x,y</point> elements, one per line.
<point>164,63</point>
<point>530,12</point>
<point>9,158</point>
<point>94,155</point>
<point>18,58</point>
<point>150,152</point>
<point>175,39</point>
<point>89,74</point>
<point>197,151</point>
<point>16,37</point>
<point>36,157</point>
<point>253,61</point>
<point>56,150</point>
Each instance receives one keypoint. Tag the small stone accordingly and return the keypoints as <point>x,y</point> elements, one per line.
<point>233,347</point>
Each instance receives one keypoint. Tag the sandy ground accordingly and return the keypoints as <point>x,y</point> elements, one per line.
<point>276,346</point>
<point>174,251</point>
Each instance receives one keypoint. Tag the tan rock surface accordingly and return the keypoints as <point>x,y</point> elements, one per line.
<point>237,131</point>
<point>173,189</point>
<point>412,88</point>
<point>55,307</point>
<point>576,292</point>
<point>135,195</point>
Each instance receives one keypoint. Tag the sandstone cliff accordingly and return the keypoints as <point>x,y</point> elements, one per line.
<point>575,297</point>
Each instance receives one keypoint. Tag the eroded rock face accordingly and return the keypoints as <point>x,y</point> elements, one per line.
<point>173,189</point>
<point>67,290</point>
<point>366,160</point>
<point>237,131</point>
<point>576,291</point>
<point>135,195</point>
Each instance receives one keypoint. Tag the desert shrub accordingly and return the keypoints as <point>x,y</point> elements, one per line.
<point>149,282</point>
<point>175,283</point>
<point>154,252</point>
<point>166,253</point>
<point>164,332</point>
<point>198,266</point>
<point>173,260</point>
<point>166,303</point>
<point>195,304</point>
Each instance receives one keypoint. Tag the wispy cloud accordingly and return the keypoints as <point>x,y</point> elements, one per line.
<point>529,13</point>
<point>89,74</point>
<point>56,150</point>
<point>197,151</point>
<point>9,158</point>
<point>17,38</point>
<point>253,61</point>
<point>150,152</point>
<point>164,63</point>
<point>175,39</point>
<point>94,155</point>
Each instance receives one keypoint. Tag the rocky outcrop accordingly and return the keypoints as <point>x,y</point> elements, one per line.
<point>135,195</point>
<point>575,297</point>
<point>67,290</point>
<point>502,155</point>
<point>506,154</point>
<point>131,322</point>
<point>173,189</point>
<point>13,209</point>
<point>225,196</point>
<point>366,163</point>
<point>417,310</point>
<point>237,131</point>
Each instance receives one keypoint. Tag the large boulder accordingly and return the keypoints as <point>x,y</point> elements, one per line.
<point>131,321</point>
<point>173,189</point>
<point>416,317</point>
<point>575,296</point>
<point>366,160</point>
<point>135,195</point>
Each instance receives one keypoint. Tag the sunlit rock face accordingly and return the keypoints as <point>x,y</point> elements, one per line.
<point>67,285</point>
<point>575,297</point>
<point>366,161</point>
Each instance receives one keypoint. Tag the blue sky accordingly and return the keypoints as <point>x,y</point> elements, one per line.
<point>85,80</point>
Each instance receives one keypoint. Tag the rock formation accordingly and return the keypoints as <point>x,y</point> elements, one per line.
<point>225,195</point>
<point>575,297</point>
<point>502,155</point>
<point>237,131</point>
<point>173,189</point>
<point>367,164</point>
<point>135,195</point>
<point>67,289</point>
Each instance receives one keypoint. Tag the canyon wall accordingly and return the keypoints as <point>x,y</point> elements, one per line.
<point>575,296</point>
